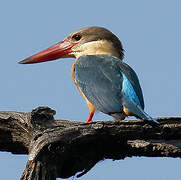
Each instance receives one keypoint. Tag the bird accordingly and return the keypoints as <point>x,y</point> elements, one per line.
<point>106,82</point>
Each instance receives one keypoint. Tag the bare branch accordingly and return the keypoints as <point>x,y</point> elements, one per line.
<point>59,148</point>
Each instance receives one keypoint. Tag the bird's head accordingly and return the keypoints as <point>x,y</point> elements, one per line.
<point>87,41</point>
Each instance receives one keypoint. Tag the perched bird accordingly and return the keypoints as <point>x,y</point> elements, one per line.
<point>106,83</point>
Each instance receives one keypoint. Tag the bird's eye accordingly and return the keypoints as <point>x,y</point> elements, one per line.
<point>76,37</point>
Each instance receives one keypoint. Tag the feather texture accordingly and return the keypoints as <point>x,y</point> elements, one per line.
<point>110,84</point>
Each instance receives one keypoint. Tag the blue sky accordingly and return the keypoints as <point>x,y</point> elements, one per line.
<point>150,33</point>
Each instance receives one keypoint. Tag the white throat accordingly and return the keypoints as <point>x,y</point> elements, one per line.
<point>95,47</point>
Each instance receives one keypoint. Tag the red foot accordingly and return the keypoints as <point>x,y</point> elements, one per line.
<point>89,120</point>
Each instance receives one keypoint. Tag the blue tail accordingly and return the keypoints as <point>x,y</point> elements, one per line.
<point>138,111</point>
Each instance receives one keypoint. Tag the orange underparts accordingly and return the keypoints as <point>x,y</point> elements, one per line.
<point>89,120</point>
<point>127,112</point>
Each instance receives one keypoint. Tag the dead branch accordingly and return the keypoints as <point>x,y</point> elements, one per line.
<point>60,148</point>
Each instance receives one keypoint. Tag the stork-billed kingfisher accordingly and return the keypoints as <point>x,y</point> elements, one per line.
<point>106,83</point>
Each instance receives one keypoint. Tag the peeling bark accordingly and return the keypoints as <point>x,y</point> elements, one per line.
<point>60,148</point>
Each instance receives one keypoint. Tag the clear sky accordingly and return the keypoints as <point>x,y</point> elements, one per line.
<point>151,35</point>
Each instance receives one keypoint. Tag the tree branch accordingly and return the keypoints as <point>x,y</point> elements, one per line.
<point>60,148</point>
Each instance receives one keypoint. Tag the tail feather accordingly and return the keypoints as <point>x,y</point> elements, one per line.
<point>138,111</point>
<point>145,116</point>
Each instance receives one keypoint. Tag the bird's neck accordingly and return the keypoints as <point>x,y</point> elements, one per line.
<point>95,48</point>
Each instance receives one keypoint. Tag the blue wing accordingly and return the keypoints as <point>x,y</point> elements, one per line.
<point>100,82</point>
<point>131,101</point>
<point>109,84</point>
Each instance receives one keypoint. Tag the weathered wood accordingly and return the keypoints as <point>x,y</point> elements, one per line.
<point>60,148</point>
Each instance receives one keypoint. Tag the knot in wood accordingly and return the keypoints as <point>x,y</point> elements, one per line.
<point>42,116</point>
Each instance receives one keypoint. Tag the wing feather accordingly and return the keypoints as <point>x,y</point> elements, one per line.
<point>101,78</point>
<point>100,81</point>
<point>110,84</point>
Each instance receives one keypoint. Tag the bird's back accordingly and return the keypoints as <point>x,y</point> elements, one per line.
<point>100,79</point>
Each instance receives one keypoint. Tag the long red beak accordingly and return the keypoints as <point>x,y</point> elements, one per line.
<point>54,52</point>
